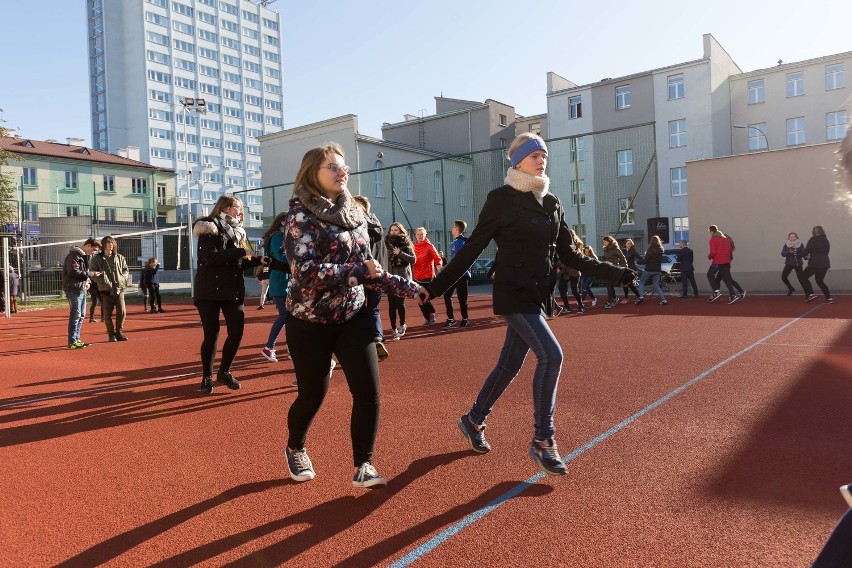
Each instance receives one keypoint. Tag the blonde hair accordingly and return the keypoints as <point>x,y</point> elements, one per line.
<point>519,140</point>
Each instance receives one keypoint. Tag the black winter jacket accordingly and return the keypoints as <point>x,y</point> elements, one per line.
<point>529,238</point>
<point>75,271</point>
<point>220,264</point>
<point>816,252</point>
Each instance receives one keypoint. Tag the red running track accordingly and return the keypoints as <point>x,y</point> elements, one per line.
<point>700,435</point>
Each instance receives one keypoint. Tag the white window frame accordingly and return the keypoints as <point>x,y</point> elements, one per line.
<point>71,180</point>
<point>574,185</point>
<point>30,176</point>
<point>677,176</point>
<point>680,226</point>
<point>109,183</point>
<point>575,107</point>
<point>796,131</point>
<point>677,88</point>
<point>795,84</point>
<point>835,125</point>
<point>622,97</point>
<point>624,162</point>
<point>677,133</point>
<point>139,186</point>
<point>835,76</point>
<point>626,212</point>
<point>756,92</point>
<point>757,137</point>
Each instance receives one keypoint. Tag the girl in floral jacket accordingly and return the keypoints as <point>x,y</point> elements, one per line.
<point>328,248</point>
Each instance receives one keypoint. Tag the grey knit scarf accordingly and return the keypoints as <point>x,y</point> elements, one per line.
<point>343,211</point>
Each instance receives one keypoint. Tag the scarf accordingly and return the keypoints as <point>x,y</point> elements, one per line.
<point>794,245</point>
<point>537,185</point>
<point>233,228</point>
<point>343,211</point>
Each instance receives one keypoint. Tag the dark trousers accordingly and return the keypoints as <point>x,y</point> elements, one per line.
<point>633,288</point>
<point>461,288</point>
<point>396,307</point>
<point>311,348</point>
<point>788,268</point>
<point>208,310</point>
<point>687,277</point>
<point>719,273</point>
<point>152,292</point>
<point>96,297</point>
<point>575,291</point>
<point>819,277</point>
<point>837,551</point>
<point>427,309</point>
<point>112,301</point>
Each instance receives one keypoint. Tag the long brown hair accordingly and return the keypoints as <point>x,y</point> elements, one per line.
<point>275,227</point>
<point>308,174</point>
<point>225,202</point>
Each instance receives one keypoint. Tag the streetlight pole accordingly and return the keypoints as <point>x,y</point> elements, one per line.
<point>198,105</point>
<point>758,129</point>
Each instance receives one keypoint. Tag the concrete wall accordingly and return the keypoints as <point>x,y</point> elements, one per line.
<point>758,199</point>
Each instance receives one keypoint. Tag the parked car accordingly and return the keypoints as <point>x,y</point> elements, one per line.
<point>479,270</point>
<point>670,267</point>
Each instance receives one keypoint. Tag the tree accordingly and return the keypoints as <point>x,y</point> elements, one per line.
<point>8,186</point>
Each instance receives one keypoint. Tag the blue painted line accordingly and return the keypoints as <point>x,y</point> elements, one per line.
<point>447,533</point>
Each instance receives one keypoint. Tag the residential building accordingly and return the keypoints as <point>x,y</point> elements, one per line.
<point>457,127</point>
<point>636,134</point>
<point>151,61</point>
<point>792,104</point>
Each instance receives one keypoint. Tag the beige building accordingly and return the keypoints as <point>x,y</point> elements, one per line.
<point>758,199</point>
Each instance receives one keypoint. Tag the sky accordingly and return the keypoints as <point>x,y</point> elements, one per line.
<point>383,59</point>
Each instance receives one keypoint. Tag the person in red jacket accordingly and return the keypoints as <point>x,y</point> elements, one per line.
<point>426,265</point>
<point>721,255</point>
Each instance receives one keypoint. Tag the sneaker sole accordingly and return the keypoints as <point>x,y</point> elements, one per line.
<point>301,478</point>
<point>377,482</point>
<point>268,358</point>
<point>469,439</point>
<point>544,468</point>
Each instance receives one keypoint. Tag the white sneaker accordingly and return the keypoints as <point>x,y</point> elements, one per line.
<point>401,329</point>
<point>395,335</point>
<point>269,354</point>
<point>594,302</point>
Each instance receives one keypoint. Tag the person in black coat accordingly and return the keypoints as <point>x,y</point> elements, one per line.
<point>816,252</point>
<point>527,223</point>
<point>686,259</point>
<point>223,255</point>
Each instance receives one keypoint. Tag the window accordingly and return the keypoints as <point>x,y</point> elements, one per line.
<point>71,180</point>
<point>208,35</point>
<point>232,43</point>
<point>182,27</point>
<point>140,186</point>
<point>30,176</point>
<point>154,37</point>
<point>271,56</point>
<point>795,131</point>
<point>756,92</point>
<point>182,9</point>
<point>678,179</point>
<point>625,162</point>
<point>184,64</point>
<point>575,198</point>
<point>757,137</point>
<point>251,17</point>
<point>576,153</point>
<point>835,77</point>
<point>626,212</point>
<point>461,191</point>
<point>676,87</point>
<point>140,216</point>
<point>158,57</point>
<point>835,125</point>
<point>184,46</point>
<point>161,194</point>
<point>535,128</point>
<point>622,97</point>
<point>378,178</point>
<point>159,76</point>
<point>409,183</point>
<point>250,66</point>
<point>677,133</point>
<point>581,231</point>
<point>436,187</point>
<point>796,84</point>
<point>502,120</point>
<point>250,33</point>
<point>575,107</point>
<point>232,77</point>
<point>271,24</point>
<point>231,26</point>
<point>271,40</point>
<point>185,83</point>
<point>252,99</point>
<point>110,215</point>
<point>207,18</point>
<point>72,211</point>
<point>229,8</point>
<point>681,229</point>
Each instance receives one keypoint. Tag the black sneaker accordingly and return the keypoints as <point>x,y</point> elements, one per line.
<point>299,465</point>
<point>715,296</point>
<point>113,338</point>
<point>464,323</point>
<point>120,336</point>
<point>546,456</point>
<point>475,436</point>
<point>810,297</point>
<point>790,292</point>
<point>206,385</point>
<point>228,380</point>
<point>639,301</point>
<point>735,298</point>
<point>367,476</point>
<point>450,323</point>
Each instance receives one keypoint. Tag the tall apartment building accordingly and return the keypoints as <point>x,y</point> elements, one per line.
<point>147,57</point>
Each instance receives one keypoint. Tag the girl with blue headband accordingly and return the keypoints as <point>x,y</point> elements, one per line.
<point>527,223</point>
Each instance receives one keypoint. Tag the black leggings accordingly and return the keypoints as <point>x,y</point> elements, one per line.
<point>311,346</point>
<point>819,277</point>
<point>785,274</point>
<point>234,322</point>
<point>563,290</point>
<point>153,292</point>
<point>427,309</point>
<point>461,288</point>
<point>96,296</point>
<point>396,306</point>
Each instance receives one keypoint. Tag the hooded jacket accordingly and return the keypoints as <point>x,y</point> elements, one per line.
<point>75,271</point>
<point>817,252</point>
<point>426,259</point>
<point>400,264</point>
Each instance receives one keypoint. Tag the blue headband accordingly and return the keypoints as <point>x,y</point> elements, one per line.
<point>526,149</point>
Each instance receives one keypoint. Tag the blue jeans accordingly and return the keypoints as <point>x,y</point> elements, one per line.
<point>655,281</point>
<point>373,299</point>
<point>525,332</point>
<point>278,324</point>
<point>77,301</point>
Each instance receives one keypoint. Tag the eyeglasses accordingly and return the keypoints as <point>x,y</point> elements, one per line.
<point>336,168</point>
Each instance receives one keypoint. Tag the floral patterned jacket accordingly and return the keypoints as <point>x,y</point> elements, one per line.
<point>327,269</point>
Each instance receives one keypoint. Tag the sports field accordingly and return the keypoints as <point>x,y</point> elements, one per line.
<point>696,435</point>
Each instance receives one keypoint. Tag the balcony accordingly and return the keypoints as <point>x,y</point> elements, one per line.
<point>167,203</point>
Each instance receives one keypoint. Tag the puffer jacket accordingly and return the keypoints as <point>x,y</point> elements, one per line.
<point>426,259</point>
<point>793,255</point>
<point>400,264</point>
<point>816,252</point>
<point>529,238</point>
<point>613,255</point>
<point>721,249</point>
<point>327,270</point>
<point>75,271</point>
<point>220,264</point>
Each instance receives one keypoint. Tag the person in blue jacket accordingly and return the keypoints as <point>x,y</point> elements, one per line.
<point>460,287</point>
<point>687,269</point>
<point>793,252</point>
<point>278,282</point>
